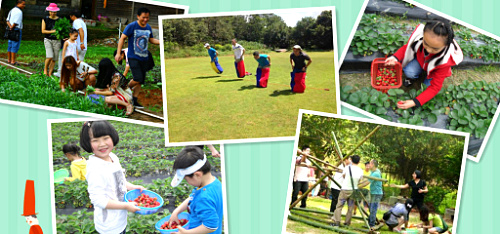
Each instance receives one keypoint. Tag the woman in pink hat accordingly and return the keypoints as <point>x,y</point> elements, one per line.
<point>52,44</point>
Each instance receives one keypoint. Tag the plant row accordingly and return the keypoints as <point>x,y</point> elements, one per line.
<point>41,90</point>
<point>379,34</point>
<point>470,106</point>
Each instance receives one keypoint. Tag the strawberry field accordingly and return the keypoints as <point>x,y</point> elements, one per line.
<point>146,162</point>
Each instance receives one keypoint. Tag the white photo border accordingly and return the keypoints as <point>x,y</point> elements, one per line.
<point>218,14</point>
<point>373,121</point>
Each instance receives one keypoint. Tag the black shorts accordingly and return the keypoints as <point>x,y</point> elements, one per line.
<point>139,69</point>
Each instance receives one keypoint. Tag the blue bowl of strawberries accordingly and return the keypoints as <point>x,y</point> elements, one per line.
<point>149,202</point>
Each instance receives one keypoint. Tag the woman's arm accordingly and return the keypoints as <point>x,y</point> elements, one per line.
<point>425,190</point>
<point>399,186</point>
<point>104,92</point>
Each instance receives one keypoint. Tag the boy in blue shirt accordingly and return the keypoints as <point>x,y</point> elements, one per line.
<point>204,205</point>
<point>139,35</point>
<point>263,69</point>
<point>214,59</point>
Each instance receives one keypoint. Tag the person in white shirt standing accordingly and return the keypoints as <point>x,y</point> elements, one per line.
<point>335,189</point>
<point>347,191</point>
<point>15,22</point>
<point>81,27</point>
<point>301,177</point>
<point>239,64</point>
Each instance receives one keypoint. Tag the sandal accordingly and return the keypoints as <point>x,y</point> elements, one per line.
<point>14,64</point>
<point>130,110</point>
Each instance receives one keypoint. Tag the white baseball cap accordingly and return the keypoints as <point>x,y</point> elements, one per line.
<point>207,45</point>
<point>297,47</point>
<point>180,173</point>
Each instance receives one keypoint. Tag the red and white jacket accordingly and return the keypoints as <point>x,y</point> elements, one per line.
<point>438,66</point>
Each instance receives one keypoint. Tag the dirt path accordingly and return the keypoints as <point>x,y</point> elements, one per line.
<point>492,74</point>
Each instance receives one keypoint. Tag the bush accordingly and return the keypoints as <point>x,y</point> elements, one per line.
<point>449,201</point>
<point>436,195</point>
<point>388,192</point>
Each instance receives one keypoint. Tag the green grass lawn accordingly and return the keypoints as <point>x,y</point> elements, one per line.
<point>318,203</point>
<point>203,105</point>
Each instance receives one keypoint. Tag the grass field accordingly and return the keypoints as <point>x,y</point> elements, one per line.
<point>203,105</point>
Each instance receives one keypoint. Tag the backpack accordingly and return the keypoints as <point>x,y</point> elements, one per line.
<point>445,226</point>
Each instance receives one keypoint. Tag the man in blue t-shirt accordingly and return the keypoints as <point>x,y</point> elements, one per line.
<point>214,60</point>
<point>263,69</point>
<point>376,191</point>
<point>139,35</point>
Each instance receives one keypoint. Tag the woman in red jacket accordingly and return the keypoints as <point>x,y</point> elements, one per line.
<point>431,48</point>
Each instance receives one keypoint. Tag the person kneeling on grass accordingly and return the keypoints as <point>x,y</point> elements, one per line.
<point>263,69</point>
<point>432,222</point>
<point>214,59</point>
<point>398,215</point>
<point>112,87</point>
<point>204,205</point>
<point>78,163</point>
<point>78,75</point>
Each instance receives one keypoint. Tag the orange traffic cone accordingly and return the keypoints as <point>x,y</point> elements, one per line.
<point>29,198</point>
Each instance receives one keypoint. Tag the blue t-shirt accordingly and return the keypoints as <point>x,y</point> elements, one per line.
<point>206,207</point>
<point>213,53</point>
<point>262,60</point>
<point>375,185</point>
<point>138,38</point>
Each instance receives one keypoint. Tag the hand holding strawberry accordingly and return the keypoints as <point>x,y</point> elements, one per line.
<point>406,104</point>
<point>391,61</point>
<point>132,207</point>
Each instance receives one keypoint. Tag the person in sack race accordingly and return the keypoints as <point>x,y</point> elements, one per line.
<point>430,51</point>
<point>139,34</point>
<point>78,75</point>
<point>418,188</point>
<point>214,59</point>
<point>50,41</point>
<point>15,23</point>
<point>204,205</point>
<point>398,215</point>
<point>263,69</point>
<point>29,208</point>
<point>301,175</point>
<point>112,88</point>
<point>299,67</point>
<point>106,180</point>
<point>239,64</point>
<point>78,163</point>
<point>352,175</point>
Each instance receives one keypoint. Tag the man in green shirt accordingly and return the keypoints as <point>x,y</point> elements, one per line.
<point>375,191</point>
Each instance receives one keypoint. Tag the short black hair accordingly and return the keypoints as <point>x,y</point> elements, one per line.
<point>355,159</point>
<point>189,156</point>
<point>366,163</point>
<point>409,204</point>
<point>142,10</point>
<point>99,128</point>
<point>256,53</point>
<point>72,149</point>
<point>20,1</point>
<point>304,147</point>
<point>71,31</point>
<point>75,12</point>
<point>418,174</point>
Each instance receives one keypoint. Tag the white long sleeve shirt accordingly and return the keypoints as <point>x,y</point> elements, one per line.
<point>106,181</point>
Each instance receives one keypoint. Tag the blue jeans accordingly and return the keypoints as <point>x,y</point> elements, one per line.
<point>13,46</point>
<point>413,70</point>
<point>374,201</point>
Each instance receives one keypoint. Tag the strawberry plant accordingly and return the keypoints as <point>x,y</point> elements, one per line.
<point>465,34</point>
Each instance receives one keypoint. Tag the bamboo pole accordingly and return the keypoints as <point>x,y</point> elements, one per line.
<point>321,212</point>
<point>374,178</point>
<point>336,147</point>
<point>362,141</point>
<point>362,210</point>
<point>321,169</point>
<point>324,162</point>
<point>308,191</point>
<point>328,222</point>
<point>320,225</point>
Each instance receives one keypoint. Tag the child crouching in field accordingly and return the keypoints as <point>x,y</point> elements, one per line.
<point>105,177</point>
<point>78,163</point>
<point>205,202</point>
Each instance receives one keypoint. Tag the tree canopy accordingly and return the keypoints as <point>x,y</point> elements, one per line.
<point>268,29</point>
<point>400,151</point>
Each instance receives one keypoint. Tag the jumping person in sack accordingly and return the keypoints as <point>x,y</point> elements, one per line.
<point>430,49</point>
<point>214,59</point>
<point>239,51</point>
<point>299,67</point>
<point>263,69</point>
<point>139,34</point>
<point>15,23</point>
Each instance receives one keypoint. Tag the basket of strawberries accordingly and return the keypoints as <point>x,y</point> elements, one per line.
<point>385,77</point>
<point>149,202</point>
<point>163,226</point>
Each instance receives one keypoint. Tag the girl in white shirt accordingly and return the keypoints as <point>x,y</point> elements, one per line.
<point>69,48</point>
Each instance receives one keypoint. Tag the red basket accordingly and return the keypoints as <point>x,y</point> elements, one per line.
<point>380,63</point>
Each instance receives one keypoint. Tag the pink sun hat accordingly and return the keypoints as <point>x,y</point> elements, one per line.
<point>52,7</point>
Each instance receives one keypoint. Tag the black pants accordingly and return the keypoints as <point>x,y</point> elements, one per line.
<point>297,187</point>
<point>335,199</point>
<point>418,203</point>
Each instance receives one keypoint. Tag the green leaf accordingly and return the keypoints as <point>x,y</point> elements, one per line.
<point>432,118</point>
<point>381,110</point>
<point>354,98</point>
<point>403,120</point>
<point>463,121</point>
<point>453,122</point>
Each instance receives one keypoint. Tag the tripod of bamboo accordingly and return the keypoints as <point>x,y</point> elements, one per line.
<point>327,173</point>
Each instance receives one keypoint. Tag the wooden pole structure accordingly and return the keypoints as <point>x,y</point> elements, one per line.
<point>327,222</point>
<point>324,162</point>
<point>321,169</point>
<point>336,147</point>
<point>361,211</point>
<point>320,225</point>
<point>309,190</point>
<point>362,141</point>
<point>321,212</point>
